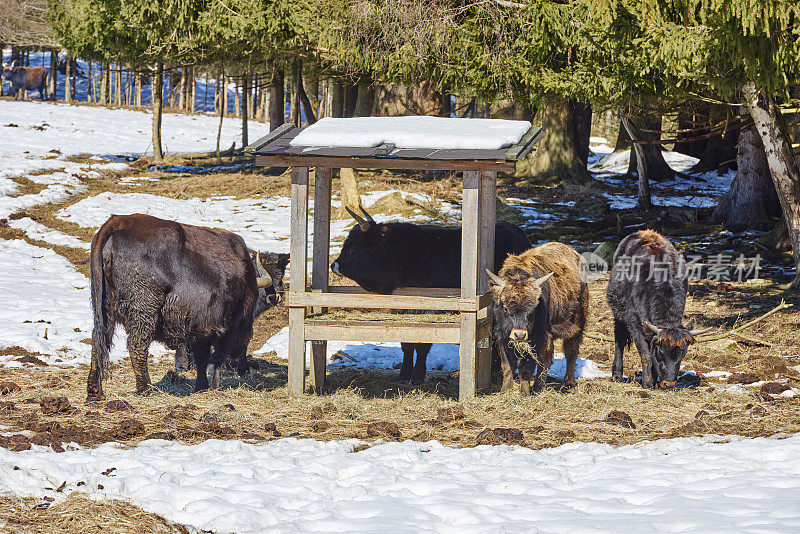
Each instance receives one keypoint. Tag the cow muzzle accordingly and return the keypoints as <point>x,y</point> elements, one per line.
<point>518,334</point>
<point>665,384</point>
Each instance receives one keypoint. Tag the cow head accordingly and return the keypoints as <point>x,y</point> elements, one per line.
<point>668,346</point>
<point>270,268</point>
<point>364,255</point>
<point>516,295</point>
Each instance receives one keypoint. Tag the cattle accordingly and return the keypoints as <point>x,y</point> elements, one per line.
<point>174,283</point>
<point>539,296</point>
<point>380,257</point>
<point>26,79</point>
<point>647,296</point>
<point>267,264</point>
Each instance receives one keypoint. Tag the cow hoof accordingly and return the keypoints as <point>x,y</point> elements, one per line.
<point>92,399</point>
<point>568,386</point>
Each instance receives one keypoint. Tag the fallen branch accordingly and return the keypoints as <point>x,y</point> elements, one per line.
<point>601,337</point>
<point>752,339</point>
<point>735,330</point>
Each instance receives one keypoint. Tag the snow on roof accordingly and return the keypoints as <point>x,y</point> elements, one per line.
<point>413,132</point>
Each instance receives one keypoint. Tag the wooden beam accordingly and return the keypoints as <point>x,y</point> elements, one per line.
<point>525,144</point>
<point>486,209</point>
<point>380,332</point>
<point>443,292</point>
<point>264,141</point>
<point>297,279</point>
<point>278,160</point>
<point>470,241</point>
<point>397,302</point>
<point>384,149</point>
<point>319,268</point>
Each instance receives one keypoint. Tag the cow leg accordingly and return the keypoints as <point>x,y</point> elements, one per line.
<point>94,384</point>
<point>242,365</point>
<point>545,361</point>
<point>621,339</point>
<point>571,346</point>
<point>420,366</point>
<point>508,367</point>
<point>181,359</point>
<point>648,380</point>
<point>138,350</point>
<point>408,361</point>
<point>201,352</point>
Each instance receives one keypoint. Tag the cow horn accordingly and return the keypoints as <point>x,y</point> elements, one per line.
<point>367,215</point>
<point>364,225</point>
<point>653,328</point>
<point>264,279</point>
<point>543,279</point>
<point>494,278</point>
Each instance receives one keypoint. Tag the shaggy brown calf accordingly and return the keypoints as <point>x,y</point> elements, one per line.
<point>539,296</point>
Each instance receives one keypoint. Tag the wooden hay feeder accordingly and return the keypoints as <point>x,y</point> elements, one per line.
<point>472,301</point>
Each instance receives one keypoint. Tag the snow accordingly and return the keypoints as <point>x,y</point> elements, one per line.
<point>678,485</point>
<point>96,130</point>
<point>413,132</point>
<point>46,307</point>
<point>262,222</point>
<point>38,231</point>
<point>389,356</point>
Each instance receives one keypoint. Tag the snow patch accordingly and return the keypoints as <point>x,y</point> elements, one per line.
<point>413,132</point>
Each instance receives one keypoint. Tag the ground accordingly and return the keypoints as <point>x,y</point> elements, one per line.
<point>51,204</point>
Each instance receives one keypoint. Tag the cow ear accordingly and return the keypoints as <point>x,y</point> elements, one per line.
<point>283,261</point>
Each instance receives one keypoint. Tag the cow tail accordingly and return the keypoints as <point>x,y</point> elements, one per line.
<point>103,331</point>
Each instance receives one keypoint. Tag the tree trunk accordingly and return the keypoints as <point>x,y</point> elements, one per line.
<point>751,202</point>
<point>557,155</point>
<point>104,83</point>
<point>690,121</point>
<point>217,95</point>
<point>337,99</point>
<point>311,85</point>
<point>643,194</point>
<point>68,80</point>
<point>137,81</point>
<point>118,90</point>
<point>236,99</point>
<point>446,104</point>
<point>294,115</point>
<point>53,82</point>
<point>365,99</point>
<point>158,97</point>
<point>348,180</point>
<point>303,97</point>
<point>277,113</point>
<point>89,85</point>
<point>224,93</point>
<point>350,97</point>
<point>582,128</point>
<point>192,91</point>
<point>655,165</point>
<point>245,107</point>
<point>181,95</point>
<point>781,162</point>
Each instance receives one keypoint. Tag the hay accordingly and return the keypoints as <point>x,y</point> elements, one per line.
<point>79,513</point>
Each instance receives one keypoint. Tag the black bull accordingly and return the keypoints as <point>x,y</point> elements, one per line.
<point>174,283</point>
<point>27,79</point>
<point>380,257</point>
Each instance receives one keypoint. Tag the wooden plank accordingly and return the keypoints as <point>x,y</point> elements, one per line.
<point>319,266</point>
<point>483,363</point>
<point>264,141</point>
<point>373,301</point>
<point>487,199</point>
<point>470,242</point>
<point>443,292</point>
<point>298,259</point>
<point>279,160</point>
<point>381,332</point>
<point>530,138</point>
<point>322,230</point>
<point>383,149</point>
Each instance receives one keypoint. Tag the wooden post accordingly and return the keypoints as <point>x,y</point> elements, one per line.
<point>319,266</point>
<point>470,243</point>
<point>297,279</point>
<point>487,205</point>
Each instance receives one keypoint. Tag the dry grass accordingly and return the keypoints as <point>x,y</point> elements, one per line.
<point>78,513</point>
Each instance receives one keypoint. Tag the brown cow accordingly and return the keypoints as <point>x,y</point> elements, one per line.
<point>541,295</point>
<point>26,79</point>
